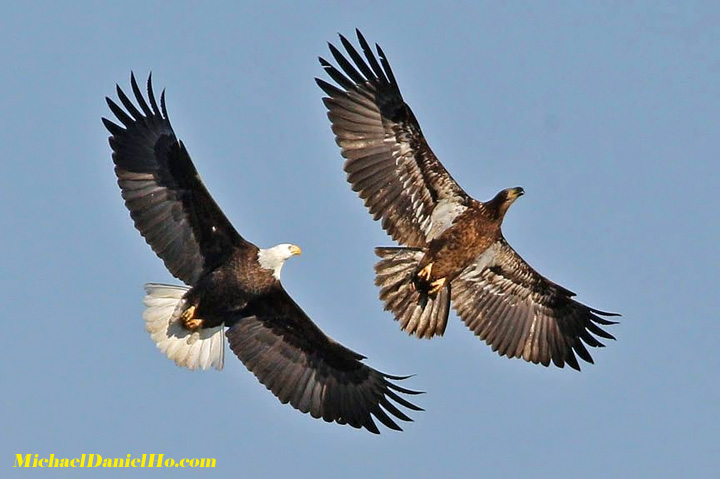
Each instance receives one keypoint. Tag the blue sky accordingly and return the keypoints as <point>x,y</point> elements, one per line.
<point>608,114</point>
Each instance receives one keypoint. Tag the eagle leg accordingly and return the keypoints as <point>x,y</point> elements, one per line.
<point>437,285</point>
<point>189,321</point>
<point>424,274</point>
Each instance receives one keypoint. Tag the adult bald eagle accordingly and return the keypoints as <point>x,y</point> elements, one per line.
<point>234,286</point>
<point>455,250</point>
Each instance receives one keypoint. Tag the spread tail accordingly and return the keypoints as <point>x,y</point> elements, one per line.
<point>201,349</point>
<point>419,313</point>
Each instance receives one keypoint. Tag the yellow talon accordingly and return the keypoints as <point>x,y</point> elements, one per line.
<point>424,274</point>
<point>437,285</point>
<point>189,321</point>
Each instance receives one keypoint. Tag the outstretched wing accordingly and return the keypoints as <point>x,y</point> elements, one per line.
<point>295,360</point>
<point>389,163</point>
<point>167,200</point>
<point>519,313</point>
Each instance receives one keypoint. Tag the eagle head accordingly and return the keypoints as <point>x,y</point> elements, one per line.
<point>274,258</point>
<point>503,200</point>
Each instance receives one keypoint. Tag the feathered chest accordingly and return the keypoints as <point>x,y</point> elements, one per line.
<point>248,275</point>
<point>472,233</point>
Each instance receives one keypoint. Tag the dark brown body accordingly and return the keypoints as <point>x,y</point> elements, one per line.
<point>458,246</point>
<point>473,232</point>
<point>228,289</point>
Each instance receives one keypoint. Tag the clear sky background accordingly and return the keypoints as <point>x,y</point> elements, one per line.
<point>607,113</point>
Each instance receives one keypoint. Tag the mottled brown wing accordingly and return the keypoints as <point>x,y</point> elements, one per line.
<point>300,365</point>
<point>167,200</point>
<point>519,313</point>
<point>388,161</point>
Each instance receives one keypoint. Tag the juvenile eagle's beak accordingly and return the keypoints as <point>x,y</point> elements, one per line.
<point>295,250</point>
<point>516,192</point>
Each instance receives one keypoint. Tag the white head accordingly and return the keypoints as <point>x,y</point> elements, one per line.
<point>274,258</point>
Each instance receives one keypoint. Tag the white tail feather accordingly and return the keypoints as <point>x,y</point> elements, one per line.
<point>200,349</point>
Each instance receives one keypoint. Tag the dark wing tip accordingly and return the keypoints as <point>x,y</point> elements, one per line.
<point>401,389</point>
<point>360,36</point>
<point>605,313</point>
<point>379,50</point>
<point>151,95</point>
<point>113,128</point>
<point>573,363</point>
<point>393,389</point>
<point>162,104</point>
<point>384,408</point>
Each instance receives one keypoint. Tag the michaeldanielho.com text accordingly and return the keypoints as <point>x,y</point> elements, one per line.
<point>96,460</point>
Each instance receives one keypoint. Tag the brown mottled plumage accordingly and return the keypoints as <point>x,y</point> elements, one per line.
<point>454,247</point>
<point>474,231</point>
<point>235,286</point>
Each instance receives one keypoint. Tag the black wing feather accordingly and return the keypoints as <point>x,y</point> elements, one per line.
<point>402,181</point>
<point>519,313</point>
<point>167,199</point>
<point>298,363</point>
<point>357,59</point>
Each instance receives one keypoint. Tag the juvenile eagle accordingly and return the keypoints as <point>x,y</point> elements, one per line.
<point>455,250</point>
<point>234,287</point>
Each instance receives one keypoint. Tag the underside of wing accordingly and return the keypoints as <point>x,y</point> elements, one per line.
<point>167,200</point>
<point>300,365</point>
<point>519,313</point>
<point>388,160</point>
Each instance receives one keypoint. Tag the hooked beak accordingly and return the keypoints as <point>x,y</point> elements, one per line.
<point>516,192</point>
<point>295,250</point>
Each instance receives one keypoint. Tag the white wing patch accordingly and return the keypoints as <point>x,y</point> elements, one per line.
<point>201,349</point>
<point>442,218</point>
<point>486,259</point>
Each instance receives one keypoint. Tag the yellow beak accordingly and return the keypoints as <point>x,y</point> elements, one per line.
<point>295,250</point>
